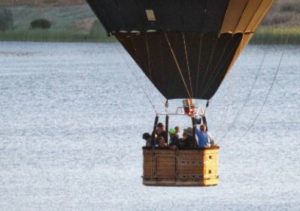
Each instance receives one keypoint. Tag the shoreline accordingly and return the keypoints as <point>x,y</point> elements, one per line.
<point>264,36</point>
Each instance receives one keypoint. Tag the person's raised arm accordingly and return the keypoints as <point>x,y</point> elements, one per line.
<point>197,130</point>
<point>205,122</point>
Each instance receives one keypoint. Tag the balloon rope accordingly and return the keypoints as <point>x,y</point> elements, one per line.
<point>210,81</point>
<point>148,55</point>
<point>169,82</point>
<point>177,64</point>
<point>187,61</point>
<point>267,95</point>
<point>211,55</point>
<point>237,115</point>
<point>136,79</point>
<point>199,60</point>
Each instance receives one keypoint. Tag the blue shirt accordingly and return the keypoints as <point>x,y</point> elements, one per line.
<point>203,139</point>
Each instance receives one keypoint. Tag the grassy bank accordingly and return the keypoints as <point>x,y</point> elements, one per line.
<point>264,35</point>
<point>96,35</point>
<point>43,35</point>
<point>269,35</point>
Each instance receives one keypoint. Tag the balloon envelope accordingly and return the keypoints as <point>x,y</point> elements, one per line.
<point>185,47</point>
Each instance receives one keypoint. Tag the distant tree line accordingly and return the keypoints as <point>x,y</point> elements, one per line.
<point>6,19</point>
<point>40,24</point>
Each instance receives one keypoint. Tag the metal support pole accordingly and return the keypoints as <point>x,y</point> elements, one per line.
<point>153,132</point>
<point>167,120</point>
<point>205,122</point>
<point>167,128</point>
<point>194,131</point>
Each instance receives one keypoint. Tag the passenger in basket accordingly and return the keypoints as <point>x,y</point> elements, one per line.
<point>161,132</point>
<point>147,138</point>
<point>174,139</point>
<point>162,143</point>
<point>187,139</point>
<point>177,131</point>
<point>203,137</point>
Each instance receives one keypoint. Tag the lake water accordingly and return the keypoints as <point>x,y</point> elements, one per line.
<point>72,115</point>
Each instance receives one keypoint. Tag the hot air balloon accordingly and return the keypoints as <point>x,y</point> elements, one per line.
<point>185,48</point>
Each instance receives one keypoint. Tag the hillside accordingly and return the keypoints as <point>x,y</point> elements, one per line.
<point>73,20</point>
<point>285,13</point>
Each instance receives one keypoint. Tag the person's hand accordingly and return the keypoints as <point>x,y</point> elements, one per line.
<point>202,112</point>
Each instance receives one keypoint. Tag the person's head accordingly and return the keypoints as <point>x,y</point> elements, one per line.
<point>177,129</point>
<point>160,127</point>
<point>187,133</point>
<point>172,132</point>
<point>203,128</point>
<point>146,136</point>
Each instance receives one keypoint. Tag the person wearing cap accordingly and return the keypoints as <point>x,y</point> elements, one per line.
<point>174,138</point>
<point>161,132</point>
<point>187,139</point>
<point>177,131</point>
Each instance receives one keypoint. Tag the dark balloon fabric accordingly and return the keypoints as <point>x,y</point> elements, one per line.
<point>202,59</point>
<point>185,47</point>
<point>183,15</point>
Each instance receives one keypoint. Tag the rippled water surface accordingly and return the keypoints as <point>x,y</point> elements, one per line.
<point>72,115</point>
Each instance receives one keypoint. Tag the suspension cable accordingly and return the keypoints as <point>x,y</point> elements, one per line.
<point>177,64</point>
<point>267,95</point>
<point>148,55</point>
<point>206,107</point>
<point>199,62</point>
<point>136,79</point>
<point>209,63</point>
<point>166,106</point>
<point>187,61</point>
<point>148,58</point>
<point>237,115</point>
<point>210,81</point>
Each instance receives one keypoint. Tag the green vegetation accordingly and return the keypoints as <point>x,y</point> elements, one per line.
<point>6,19</point>
<point>269,35</point>
<point>98,33</point>
<point>53,36</point>
<point>41,35</point>
<point>40,24</point>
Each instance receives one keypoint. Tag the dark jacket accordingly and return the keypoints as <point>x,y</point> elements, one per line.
<point>174,141</point>
<point>163,134</point>
<point>187,143</point>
